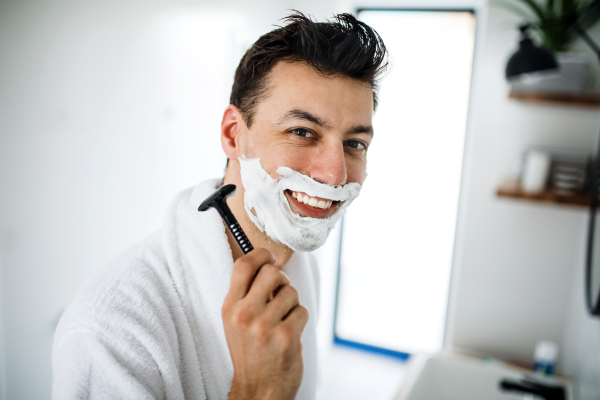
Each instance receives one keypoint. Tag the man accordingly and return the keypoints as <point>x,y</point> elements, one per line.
<point>184,314</point>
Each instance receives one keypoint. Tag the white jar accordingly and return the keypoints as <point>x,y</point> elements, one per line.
<point>535,171</point>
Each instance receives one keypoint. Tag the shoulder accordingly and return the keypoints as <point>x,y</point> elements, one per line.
<point>126,299</point>
<point>116,333</point>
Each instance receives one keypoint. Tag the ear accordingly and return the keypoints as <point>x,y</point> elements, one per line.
<point>232,125</point>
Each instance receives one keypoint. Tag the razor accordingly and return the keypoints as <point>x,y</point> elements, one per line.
<point>217,201</point>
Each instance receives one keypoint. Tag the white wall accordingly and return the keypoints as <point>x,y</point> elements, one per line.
<point>99,131</point>
<point>518,266</point>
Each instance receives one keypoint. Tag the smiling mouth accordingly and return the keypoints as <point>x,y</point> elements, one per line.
<point>314,202</point>
<point>310,206</point>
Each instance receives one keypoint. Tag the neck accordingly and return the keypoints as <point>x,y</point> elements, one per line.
<point>258,238</point>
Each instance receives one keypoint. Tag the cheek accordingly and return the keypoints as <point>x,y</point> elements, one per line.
<point>356,170</point>
<point>300,160</point>
<point>295,159</point>
<point>255,141</point>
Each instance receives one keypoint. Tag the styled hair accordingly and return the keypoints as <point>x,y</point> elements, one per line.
<point>344,46</point>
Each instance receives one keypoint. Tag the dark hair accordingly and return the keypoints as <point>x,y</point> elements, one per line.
<point>344,46</point>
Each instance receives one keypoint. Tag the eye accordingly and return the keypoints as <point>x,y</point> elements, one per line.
<point>305,133</point>
<point>356,144</point>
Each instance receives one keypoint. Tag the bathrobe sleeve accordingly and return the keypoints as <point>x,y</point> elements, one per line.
<point>121,336</point>
<point>87,366</point>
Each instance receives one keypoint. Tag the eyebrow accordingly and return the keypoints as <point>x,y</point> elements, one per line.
<point>307,116</point>
<point>368,129</point>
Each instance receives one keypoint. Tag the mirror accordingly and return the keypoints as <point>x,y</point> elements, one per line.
<point>592,272</point>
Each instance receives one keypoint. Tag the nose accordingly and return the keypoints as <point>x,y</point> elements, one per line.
<point>329,165</point>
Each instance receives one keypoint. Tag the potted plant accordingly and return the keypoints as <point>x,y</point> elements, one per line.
<point>549,21</point>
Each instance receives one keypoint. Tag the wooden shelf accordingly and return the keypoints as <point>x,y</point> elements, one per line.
<point>591,100</point>
<point>512,189</point>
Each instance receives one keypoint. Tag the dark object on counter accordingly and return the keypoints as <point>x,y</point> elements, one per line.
<point>548,392</point>
<point>217,201</point>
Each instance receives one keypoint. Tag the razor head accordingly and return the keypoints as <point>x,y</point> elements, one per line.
<point>217,199</point>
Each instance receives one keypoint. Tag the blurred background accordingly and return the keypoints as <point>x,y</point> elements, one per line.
<point>109,108</point>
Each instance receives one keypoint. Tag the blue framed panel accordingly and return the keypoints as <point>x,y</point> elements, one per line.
<point>337,338</point>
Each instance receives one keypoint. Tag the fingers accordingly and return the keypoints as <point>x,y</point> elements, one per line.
<point>297,318</point>
<point>283,302</point>
<point>268,279</point>
<point>245,269</point>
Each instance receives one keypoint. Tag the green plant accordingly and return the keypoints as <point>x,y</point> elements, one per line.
<point>548,18</point>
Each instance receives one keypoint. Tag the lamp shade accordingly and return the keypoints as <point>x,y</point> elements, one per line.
<point>528,59</point>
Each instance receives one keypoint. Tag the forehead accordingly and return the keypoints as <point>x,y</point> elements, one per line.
<point>296,85</point>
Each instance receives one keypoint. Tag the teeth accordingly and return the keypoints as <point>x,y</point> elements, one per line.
<point>312,201</point>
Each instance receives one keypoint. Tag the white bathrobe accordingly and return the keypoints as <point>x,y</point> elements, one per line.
<point>149,326</point>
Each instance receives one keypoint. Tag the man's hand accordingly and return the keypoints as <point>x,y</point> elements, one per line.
<point>263,322</point>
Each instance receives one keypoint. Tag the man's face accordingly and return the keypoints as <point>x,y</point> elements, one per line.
<point>319,126</point>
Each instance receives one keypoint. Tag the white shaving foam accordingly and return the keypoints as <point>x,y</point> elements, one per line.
<point>274,216</point>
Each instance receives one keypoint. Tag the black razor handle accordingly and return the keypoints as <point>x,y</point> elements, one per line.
<point>237,232</point>
<point>217,200</point>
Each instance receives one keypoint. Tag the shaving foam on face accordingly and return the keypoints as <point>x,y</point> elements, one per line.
<point>272,212</point>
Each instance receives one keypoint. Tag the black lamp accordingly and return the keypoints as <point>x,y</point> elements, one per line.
<point>529,58</point>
